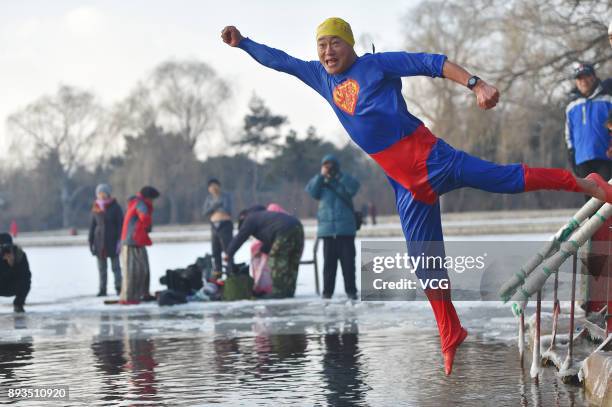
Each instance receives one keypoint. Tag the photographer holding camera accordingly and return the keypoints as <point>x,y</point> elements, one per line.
<point>337,223</point>
<point>15,276</point>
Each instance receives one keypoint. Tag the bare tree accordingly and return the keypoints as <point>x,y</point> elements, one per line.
<point>134,114</point>
<point>64,125</point>
<point>189,95</point>
<point>526,48</point>
<point>182,96</point>
<point>523,43</point>
<point>544,38</point>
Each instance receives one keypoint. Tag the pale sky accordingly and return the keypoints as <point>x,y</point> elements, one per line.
<point>107,46</point>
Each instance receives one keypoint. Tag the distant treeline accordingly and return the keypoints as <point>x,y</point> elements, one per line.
<point>33,197</point>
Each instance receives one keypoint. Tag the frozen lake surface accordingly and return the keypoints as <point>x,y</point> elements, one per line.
<point>304,351</point>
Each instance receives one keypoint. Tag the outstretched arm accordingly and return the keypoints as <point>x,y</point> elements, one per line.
<point>487,96</point>
<point>400,64</point>
<point>307,72</point>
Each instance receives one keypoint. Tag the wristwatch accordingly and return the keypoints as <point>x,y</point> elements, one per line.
<point>472,82</point>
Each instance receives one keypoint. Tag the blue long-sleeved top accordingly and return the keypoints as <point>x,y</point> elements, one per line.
<point>585,129</point>
<point>367,98</point>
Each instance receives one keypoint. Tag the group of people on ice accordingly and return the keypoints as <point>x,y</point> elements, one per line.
<point>275,252</point>
<point>123,240</point>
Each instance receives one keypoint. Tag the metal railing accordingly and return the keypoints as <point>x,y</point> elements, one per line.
<point>530,280</point>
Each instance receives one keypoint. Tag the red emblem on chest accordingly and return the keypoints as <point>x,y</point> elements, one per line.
<point>345,96</point>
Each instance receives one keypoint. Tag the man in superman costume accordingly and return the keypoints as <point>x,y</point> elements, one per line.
<point>365,93</point>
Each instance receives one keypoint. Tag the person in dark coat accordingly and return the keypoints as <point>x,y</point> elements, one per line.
<point>15,276</point>
<point>282,238</point>
<point>105,235</point>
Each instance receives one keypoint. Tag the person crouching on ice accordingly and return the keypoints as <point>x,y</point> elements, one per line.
<point>282,238</point>
<point>137,225</point>
<point>15,275</point>
<point>365,92</point>
<point>262,277</point>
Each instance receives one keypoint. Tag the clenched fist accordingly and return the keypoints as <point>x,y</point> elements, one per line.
<point>231,36</point>
<point>487,96</point>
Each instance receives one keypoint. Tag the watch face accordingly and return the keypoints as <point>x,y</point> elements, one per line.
<point>472,82</point>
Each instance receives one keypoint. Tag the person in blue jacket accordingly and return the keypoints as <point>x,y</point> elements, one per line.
<point>334,190</point>
<point>365,92</point>
<point>586,134</point>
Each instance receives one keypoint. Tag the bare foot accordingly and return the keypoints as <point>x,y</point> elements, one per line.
<point>590,188</point>
<point>595,186</point>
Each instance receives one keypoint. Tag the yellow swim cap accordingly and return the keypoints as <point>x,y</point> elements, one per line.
<point>338,27</point>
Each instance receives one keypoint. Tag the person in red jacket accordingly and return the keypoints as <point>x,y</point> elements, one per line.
<point>137,225</point>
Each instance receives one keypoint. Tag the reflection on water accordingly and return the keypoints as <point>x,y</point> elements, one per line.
<point>342,367</point>
<point>13,356</point>
<point>116,352</point>
<point>253,359</point>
